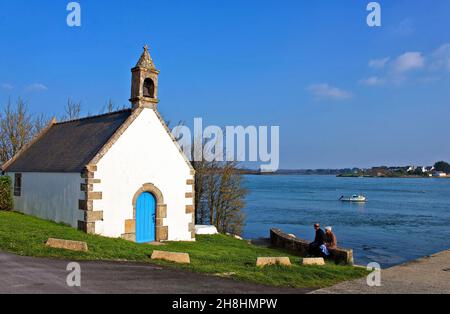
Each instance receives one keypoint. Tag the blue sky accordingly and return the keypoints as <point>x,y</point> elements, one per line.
<point>342,93</point>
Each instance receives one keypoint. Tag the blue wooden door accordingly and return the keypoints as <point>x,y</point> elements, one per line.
<point>145,218</point>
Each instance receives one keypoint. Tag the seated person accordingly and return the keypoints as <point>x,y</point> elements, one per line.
<point>330,239</point>
<point>319,240</point>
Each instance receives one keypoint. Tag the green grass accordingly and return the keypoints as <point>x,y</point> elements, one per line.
<point>25,235</point>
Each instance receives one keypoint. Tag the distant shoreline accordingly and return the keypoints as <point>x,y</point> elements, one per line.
<point>394,177</point>
<point>256,173</point>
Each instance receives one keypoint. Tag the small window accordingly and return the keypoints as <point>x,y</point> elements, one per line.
<point>18,184</point>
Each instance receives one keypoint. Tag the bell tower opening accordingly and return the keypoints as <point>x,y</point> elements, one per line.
<point>149,88</point>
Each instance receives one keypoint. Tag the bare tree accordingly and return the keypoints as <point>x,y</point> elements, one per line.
<point>39,123</point>
<point>112,107</point>
<point>219,195</point>
<point>109,107</point>
<point>200,198</point>
<point>230,200</point>
<point>16,129</point>
<point>71,111</point>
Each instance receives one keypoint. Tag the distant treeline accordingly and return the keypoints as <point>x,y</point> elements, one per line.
<point>332,172</point>
<point>381,171</point>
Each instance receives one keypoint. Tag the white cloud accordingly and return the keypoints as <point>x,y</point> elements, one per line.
<point>373,81</point>
<point>325,91</point>
<point>36,87</point>
<point>6,86</point>
<point>396,71</point>
<point>409,61</point>
<point>379,63</point>
<point>441,58</point>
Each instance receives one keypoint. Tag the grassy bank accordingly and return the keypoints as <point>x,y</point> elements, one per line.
<point>25,235</point>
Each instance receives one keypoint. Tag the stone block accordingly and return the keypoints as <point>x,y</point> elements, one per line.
<point>161,211</point>
<point>130,226</point>
<point>95,195</point>
<point>129,237</point>
<point>91,168</point>
<point>93,216</point>
<point>267,261</point>
<point>205,229</point>
<point>181,258</point>
<point>67,245</point>
<point>317,261</point>
<point>88,227</point>
<point>162,233</point>
<point>190,209</point>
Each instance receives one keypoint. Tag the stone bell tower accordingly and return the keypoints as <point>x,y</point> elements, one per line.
<point>144,82</point>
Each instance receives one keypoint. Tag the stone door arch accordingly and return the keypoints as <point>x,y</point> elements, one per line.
<point>162,232</point>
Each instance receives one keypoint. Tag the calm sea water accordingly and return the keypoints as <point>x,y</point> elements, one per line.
<point>404,219</point>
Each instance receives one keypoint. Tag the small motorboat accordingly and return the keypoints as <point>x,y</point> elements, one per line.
<point>354,198</point>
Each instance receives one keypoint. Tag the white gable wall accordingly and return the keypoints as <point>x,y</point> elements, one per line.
<point>51,196</point>
<point>144,153</point>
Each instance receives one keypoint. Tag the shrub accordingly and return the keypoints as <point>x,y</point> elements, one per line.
<point>6,199</point>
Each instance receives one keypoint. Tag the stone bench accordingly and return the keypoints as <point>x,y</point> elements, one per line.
<point>300,247</point>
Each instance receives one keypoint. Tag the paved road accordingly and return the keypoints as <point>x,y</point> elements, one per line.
<point>28,275</point>
<point>428,275</point>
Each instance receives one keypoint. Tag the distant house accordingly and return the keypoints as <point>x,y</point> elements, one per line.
<point>439,174</point>
<point>422,169</point>
<point>120,174</point>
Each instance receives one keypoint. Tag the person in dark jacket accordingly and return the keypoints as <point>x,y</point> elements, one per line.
<point>319,240</point>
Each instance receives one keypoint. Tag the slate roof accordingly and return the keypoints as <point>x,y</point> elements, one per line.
<point>68,146</point>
